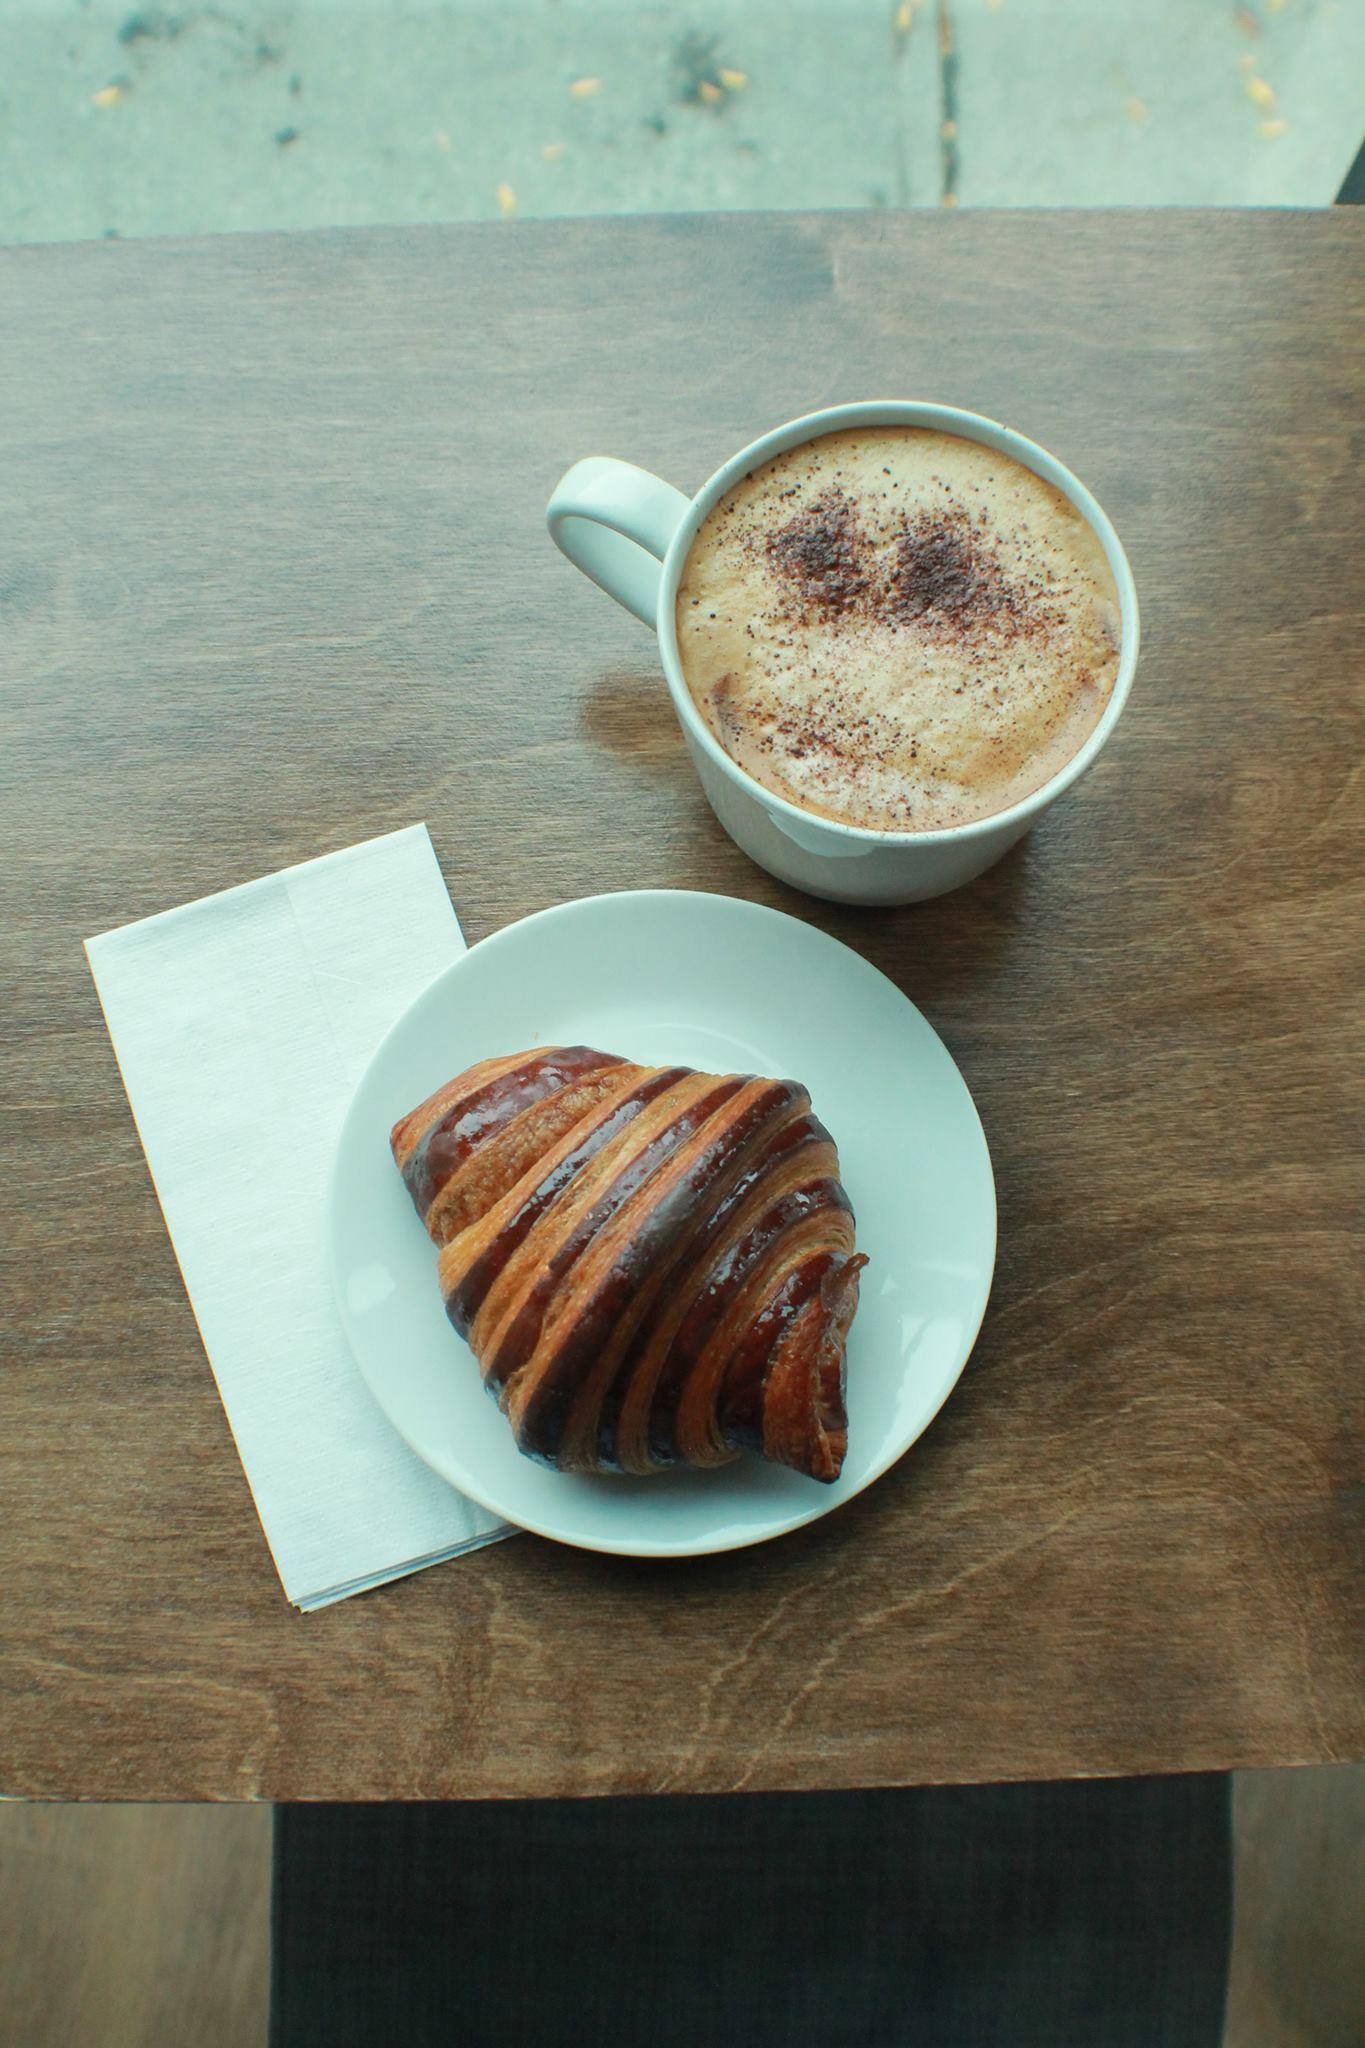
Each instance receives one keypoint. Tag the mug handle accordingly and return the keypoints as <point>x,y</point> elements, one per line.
<point>614,522</point>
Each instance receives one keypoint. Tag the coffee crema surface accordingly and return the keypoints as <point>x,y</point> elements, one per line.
<point>898,628</point>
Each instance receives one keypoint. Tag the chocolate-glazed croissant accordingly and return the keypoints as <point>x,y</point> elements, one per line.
<point>652,1266</point>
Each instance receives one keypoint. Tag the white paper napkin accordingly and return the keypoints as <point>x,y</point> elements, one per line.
<point>242,1024</point>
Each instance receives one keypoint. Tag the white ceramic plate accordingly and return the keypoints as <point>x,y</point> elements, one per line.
<point>669,977</point>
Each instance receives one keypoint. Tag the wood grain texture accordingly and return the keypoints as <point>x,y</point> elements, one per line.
<point>274,578</point>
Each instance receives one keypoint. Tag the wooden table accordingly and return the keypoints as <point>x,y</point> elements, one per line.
<point>273,578</point>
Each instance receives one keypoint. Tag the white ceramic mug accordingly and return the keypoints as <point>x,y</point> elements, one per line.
<point>631,532</point>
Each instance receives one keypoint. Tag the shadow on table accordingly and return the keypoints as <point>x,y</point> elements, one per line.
<point>628,714</point>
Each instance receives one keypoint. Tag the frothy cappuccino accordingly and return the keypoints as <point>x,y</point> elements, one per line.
<point>898,628</point>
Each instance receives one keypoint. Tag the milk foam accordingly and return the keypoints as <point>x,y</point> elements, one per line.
<point>898,628</point>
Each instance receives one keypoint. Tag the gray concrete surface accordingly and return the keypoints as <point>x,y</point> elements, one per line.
<point>142,1926</point>
<point>116,118</point>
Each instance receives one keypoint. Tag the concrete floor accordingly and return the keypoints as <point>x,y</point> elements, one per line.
<point>133,120</point>
<point>147,1926</point>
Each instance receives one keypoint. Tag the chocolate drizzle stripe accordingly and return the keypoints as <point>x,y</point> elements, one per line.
<point>703,1328</point>
<point>503,1237</point>
<point>521,1331</point>
<point>797,1152</point>
<point>409,1129</point>
<point>698,1426</point>
<point>656,1233</point>
<point>651,1265</point>
<point>447,1144</point>
<point>494,1169</point>
<point>629,1393</point>
<point>805,1421</point>
<point>740,1408</point>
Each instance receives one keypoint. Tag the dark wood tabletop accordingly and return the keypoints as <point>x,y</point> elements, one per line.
<point>274,578</point>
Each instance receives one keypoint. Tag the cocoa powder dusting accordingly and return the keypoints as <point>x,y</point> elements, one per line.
<point>944,576</point>
<point>821,551</point>
<point>830,728</point>
<point>914,631</point>
<point>947,576</point>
